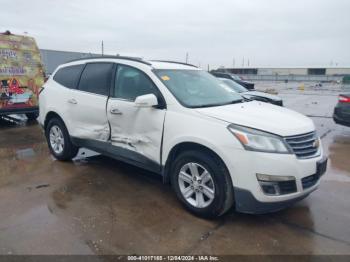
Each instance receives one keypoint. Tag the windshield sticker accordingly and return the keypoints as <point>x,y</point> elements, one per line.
<point>165,78</point>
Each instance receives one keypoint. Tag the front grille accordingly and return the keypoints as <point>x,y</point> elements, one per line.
<point>309,181</point>
<point>303,146</point>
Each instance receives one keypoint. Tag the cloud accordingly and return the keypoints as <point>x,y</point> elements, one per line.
<point>268,33</point>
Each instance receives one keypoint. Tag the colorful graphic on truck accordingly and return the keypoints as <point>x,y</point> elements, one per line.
<point>21,72</point>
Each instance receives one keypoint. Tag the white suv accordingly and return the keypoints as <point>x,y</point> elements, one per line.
<point>214,147</point>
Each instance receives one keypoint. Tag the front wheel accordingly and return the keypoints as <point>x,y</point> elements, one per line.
<point>202,183</point>
<point>58,140</point>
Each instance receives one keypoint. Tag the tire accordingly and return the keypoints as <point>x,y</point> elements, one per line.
<point>32,116</point>
<point>220,185</point>
<point>68,150</point>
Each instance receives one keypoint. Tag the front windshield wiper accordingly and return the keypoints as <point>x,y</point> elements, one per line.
<point>205,105</point>
<point>247,99</point>
<point>221,104</point>
<point>235,102</point>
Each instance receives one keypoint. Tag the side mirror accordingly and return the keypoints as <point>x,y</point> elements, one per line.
<point>146,101</point>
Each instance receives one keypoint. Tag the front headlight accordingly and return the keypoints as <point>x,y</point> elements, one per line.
<point>256,140</point>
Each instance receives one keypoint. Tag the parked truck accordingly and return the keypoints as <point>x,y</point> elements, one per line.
<point>21,75</point>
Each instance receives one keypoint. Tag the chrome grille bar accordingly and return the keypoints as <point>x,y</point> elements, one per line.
<point>303,146</point>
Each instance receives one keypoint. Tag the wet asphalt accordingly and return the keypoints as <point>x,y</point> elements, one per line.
<point>96,205</point>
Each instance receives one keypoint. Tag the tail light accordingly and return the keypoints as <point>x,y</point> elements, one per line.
<point>344,99</point>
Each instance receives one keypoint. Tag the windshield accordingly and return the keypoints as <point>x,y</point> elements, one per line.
<point>197,88</point>
<point>234,86</point>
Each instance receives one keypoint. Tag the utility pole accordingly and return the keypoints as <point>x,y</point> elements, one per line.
<point>208,68</point>
<point>186,57</point>
<point>102,47</point>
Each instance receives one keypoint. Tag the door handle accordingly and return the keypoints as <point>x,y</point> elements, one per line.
<point>116,111</point>
<point>72,101</point>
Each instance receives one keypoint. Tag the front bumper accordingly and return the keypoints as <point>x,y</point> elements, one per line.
<point>247,203</point>
<point>249,195</point>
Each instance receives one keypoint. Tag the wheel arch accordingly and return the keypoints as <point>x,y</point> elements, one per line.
<point>50,115</point>
<point>183,147</point>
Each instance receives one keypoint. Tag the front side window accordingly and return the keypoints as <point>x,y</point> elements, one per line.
<point>96,78</point>
<point>68,76</point>
<point>131,83</point>
<point>197,88</point>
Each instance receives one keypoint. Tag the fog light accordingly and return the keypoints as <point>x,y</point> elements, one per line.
<point>263,177</point>
<point>270,188</point>
<point>276,185</point>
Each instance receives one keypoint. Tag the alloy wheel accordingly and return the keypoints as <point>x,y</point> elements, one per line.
<point>56,139</point>
<point>196,185</point>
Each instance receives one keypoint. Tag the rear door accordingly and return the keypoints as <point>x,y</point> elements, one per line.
<point>136,133</point>
<point>88,102</point>
<point>65,80</point>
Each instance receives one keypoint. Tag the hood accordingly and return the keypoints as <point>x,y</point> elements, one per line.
<point>262,94</point>
<point>270,118</point>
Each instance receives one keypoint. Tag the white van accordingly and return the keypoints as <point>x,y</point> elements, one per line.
<point>215,148</point>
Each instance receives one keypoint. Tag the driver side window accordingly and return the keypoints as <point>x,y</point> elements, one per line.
<point>131,83</point>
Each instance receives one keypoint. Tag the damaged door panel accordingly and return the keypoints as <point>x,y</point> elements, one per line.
<point>88,116</point>
<point>88,102</point>
<point>138,129</point>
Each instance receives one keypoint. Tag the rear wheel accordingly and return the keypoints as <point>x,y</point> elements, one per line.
<point>202,183</point>
<point>58,140</point>
<point>32,116</point>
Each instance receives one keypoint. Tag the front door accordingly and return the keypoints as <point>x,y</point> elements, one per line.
<point>135,132</point>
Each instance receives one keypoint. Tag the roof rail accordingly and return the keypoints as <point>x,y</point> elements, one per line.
<point>174,62</point>
<point>135,59</point>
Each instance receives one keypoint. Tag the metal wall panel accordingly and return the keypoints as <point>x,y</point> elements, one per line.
<point>52,58</point>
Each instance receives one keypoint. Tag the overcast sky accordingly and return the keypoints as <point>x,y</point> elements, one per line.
<point>265,32</point>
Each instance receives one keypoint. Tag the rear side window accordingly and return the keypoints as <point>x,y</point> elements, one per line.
<point>68,76</point>
<point>96,78</point>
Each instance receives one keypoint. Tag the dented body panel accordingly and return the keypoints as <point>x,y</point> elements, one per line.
<point>137,129</point>
<point>88,116</point>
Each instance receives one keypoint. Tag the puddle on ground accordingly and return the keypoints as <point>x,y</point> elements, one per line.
<point>337,147</point>
<point>339,153</point>
<point>27,153</point>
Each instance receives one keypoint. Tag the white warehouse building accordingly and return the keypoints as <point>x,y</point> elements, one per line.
<point>53,58</point>
<point>291,73</point>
